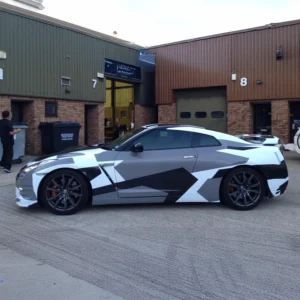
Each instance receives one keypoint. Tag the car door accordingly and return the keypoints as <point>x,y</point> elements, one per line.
<point>159,173</point>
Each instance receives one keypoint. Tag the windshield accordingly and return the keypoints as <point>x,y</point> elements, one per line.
<point>121,140</point>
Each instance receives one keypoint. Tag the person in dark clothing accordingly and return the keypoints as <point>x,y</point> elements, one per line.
<point>7,138</point>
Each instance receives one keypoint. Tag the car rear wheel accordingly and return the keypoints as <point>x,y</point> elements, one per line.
<point>243,189</point>
<point>64,192</point>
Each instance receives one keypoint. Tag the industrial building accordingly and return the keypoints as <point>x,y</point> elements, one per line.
<point>238,82</point>
<point>51,70</point>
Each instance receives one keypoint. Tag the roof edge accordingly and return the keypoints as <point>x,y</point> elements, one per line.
<point>264,27</point>
<point>70,26</point>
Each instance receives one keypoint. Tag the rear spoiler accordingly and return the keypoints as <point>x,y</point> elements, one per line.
<point>262,139</point>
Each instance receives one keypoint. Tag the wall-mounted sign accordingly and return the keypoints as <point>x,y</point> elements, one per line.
<point>147,60</point>
<point>33,3</point>
<point>1,74</point>
<point>2,55</point>
<point>244,81</point>
<point>120,70</point>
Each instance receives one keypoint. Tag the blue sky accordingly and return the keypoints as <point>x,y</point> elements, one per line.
<point>151,22</point>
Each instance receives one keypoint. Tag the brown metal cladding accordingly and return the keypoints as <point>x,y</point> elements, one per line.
<point>210,62</point>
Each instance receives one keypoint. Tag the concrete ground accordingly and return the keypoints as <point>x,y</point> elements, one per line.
<point>8,179</point>
<point>193,251</point>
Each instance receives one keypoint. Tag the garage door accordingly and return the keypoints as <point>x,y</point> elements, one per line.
<point>204,107</point>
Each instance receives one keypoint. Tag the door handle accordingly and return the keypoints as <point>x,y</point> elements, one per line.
<point>189,156</point>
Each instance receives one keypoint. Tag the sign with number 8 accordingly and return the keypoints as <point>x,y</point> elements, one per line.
<point>244,81</point>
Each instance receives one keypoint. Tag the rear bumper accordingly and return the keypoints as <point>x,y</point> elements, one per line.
<point>277,187</point>
<point>277,178</point>
<point>283,187</point>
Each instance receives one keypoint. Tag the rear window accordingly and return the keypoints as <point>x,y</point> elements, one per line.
<point>204,140</point>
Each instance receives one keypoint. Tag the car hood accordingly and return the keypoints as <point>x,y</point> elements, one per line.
<point>66,151</point>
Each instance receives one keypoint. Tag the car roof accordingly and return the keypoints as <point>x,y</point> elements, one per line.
<point>162,125</point>
<point>218,135</point>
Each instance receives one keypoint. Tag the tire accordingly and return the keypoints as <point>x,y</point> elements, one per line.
<point>64,197</point>
<point>241,194</point>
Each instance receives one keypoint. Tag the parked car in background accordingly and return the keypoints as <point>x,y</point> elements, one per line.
<point>295,146</point>
<point>297,141</point>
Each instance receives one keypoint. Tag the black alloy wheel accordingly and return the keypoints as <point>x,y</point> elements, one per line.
<point>243,189</point>
<point>64,192</point>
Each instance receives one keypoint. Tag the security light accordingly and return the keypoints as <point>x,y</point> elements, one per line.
<point>34,3</point>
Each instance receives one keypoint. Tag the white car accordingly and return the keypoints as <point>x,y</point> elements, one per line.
<point>156,164</point>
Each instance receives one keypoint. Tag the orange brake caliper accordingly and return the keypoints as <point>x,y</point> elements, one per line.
<point>231,190</point>
<point>54,194</point>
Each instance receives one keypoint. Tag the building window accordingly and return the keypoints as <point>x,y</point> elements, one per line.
<point>217,114</point>
<point>200,114</point>
<point>123,114</point>
<point>50,109</point>
<point>65,81</point>
<point>185,115</point>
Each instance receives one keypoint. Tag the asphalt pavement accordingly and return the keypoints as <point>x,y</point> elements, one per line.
<point>143,252</point>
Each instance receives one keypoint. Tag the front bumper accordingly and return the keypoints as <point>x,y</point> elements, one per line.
<point>24,193</point>
<point>21,202</point>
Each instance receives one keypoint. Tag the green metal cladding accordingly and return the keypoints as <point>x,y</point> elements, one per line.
<point>40,53</point>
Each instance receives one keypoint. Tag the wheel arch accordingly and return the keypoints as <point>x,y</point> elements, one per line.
<point>62,169</point>
<point>256,168</point>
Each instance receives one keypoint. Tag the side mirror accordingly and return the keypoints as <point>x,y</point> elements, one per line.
<point>137,148</point>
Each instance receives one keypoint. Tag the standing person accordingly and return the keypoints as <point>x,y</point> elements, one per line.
<point>7,138</point>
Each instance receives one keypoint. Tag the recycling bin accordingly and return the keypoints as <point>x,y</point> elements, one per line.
<point>19,143</point>
<point>57,136</point>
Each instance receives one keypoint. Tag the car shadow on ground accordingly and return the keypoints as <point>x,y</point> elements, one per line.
<point>266,204</point>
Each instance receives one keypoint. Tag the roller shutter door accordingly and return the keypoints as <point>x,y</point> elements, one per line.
<point>203,107</point>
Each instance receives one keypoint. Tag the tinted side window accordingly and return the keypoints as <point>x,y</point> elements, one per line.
<point>160,139</point>
<point>204,140</point>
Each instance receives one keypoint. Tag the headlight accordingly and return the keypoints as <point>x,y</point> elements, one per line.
<point>34,166</point>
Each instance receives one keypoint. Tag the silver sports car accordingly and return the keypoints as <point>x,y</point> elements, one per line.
<point>156,164</point>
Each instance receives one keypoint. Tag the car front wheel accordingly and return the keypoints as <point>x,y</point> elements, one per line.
<point>243,189</point>
<point>64,192</point>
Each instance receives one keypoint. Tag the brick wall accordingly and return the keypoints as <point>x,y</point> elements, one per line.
<point>33,139</point>
<point>34,113</point>
<point>144,115</point>
<point>95,124</point>
<point>4,103</point>
<point>281,120</point>
<point>167,114</point>
<point>239,117</point>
